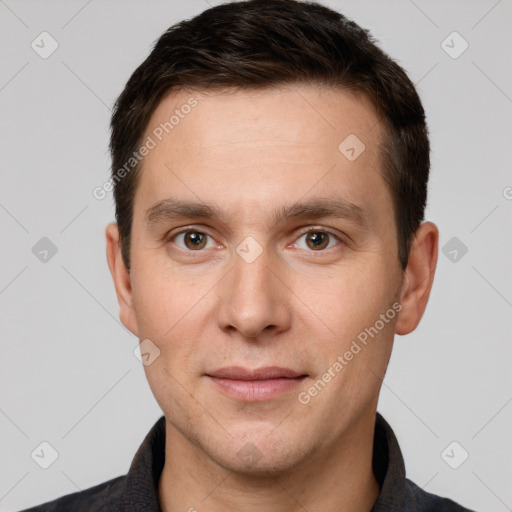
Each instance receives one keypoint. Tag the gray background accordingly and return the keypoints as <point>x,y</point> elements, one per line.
<point>68,373</point>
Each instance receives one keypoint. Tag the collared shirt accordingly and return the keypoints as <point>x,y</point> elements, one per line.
<point>138,490</point>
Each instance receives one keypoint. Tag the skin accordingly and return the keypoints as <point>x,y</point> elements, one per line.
<point>295,306</point>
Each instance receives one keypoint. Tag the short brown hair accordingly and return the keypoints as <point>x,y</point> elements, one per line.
<point>265,43</point>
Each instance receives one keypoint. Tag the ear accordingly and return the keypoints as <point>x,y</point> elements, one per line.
<point>418,279</point>
<point>121,277</point>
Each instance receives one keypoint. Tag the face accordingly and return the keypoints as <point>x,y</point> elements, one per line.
<point>265,271</point>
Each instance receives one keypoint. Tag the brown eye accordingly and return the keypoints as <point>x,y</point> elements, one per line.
<point>194,240</point>
<point>317,240</point>
<point>191,240</point>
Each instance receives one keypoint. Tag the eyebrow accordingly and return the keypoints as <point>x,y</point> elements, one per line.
<point>316,208</point>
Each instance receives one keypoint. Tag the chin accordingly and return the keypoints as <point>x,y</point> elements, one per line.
<point>261,457</point>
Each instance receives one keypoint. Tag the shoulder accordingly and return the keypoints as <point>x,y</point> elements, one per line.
<point>100,498</point>
<point>426,502</point>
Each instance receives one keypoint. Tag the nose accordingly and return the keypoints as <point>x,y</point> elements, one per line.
<point>254,300</point>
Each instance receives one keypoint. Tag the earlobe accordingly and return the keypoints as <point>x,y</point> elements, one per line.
<point>419,277</point>
<point>121,277</point>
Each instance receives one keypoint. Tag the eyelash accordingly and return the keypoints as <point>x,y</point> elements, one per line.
<point>307,231</point>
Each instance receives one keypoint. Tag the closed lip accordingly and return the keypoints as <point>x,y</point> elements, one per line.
<point>263,373</point>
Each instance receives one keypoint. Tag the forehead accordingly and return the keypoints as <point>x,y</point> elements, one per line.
<point>264,146</point>
<point>296,114</point>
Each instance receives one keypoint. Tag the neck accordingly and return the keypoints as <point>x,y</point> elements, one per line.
<point>337,478</point>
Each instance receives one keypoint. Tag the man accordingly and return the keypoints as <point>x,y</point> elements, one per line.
<point>270,168</point>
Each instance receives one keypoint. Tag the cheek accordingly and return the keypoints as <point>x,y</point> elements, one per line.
<point>172,392</point>
<point>169,318</point>
<point>172,311</point>
<point>162,299</point>
<point>347,300</point>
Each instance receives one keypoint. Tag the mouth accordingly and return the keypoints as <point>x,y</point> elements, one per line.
<point>256,385</point>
